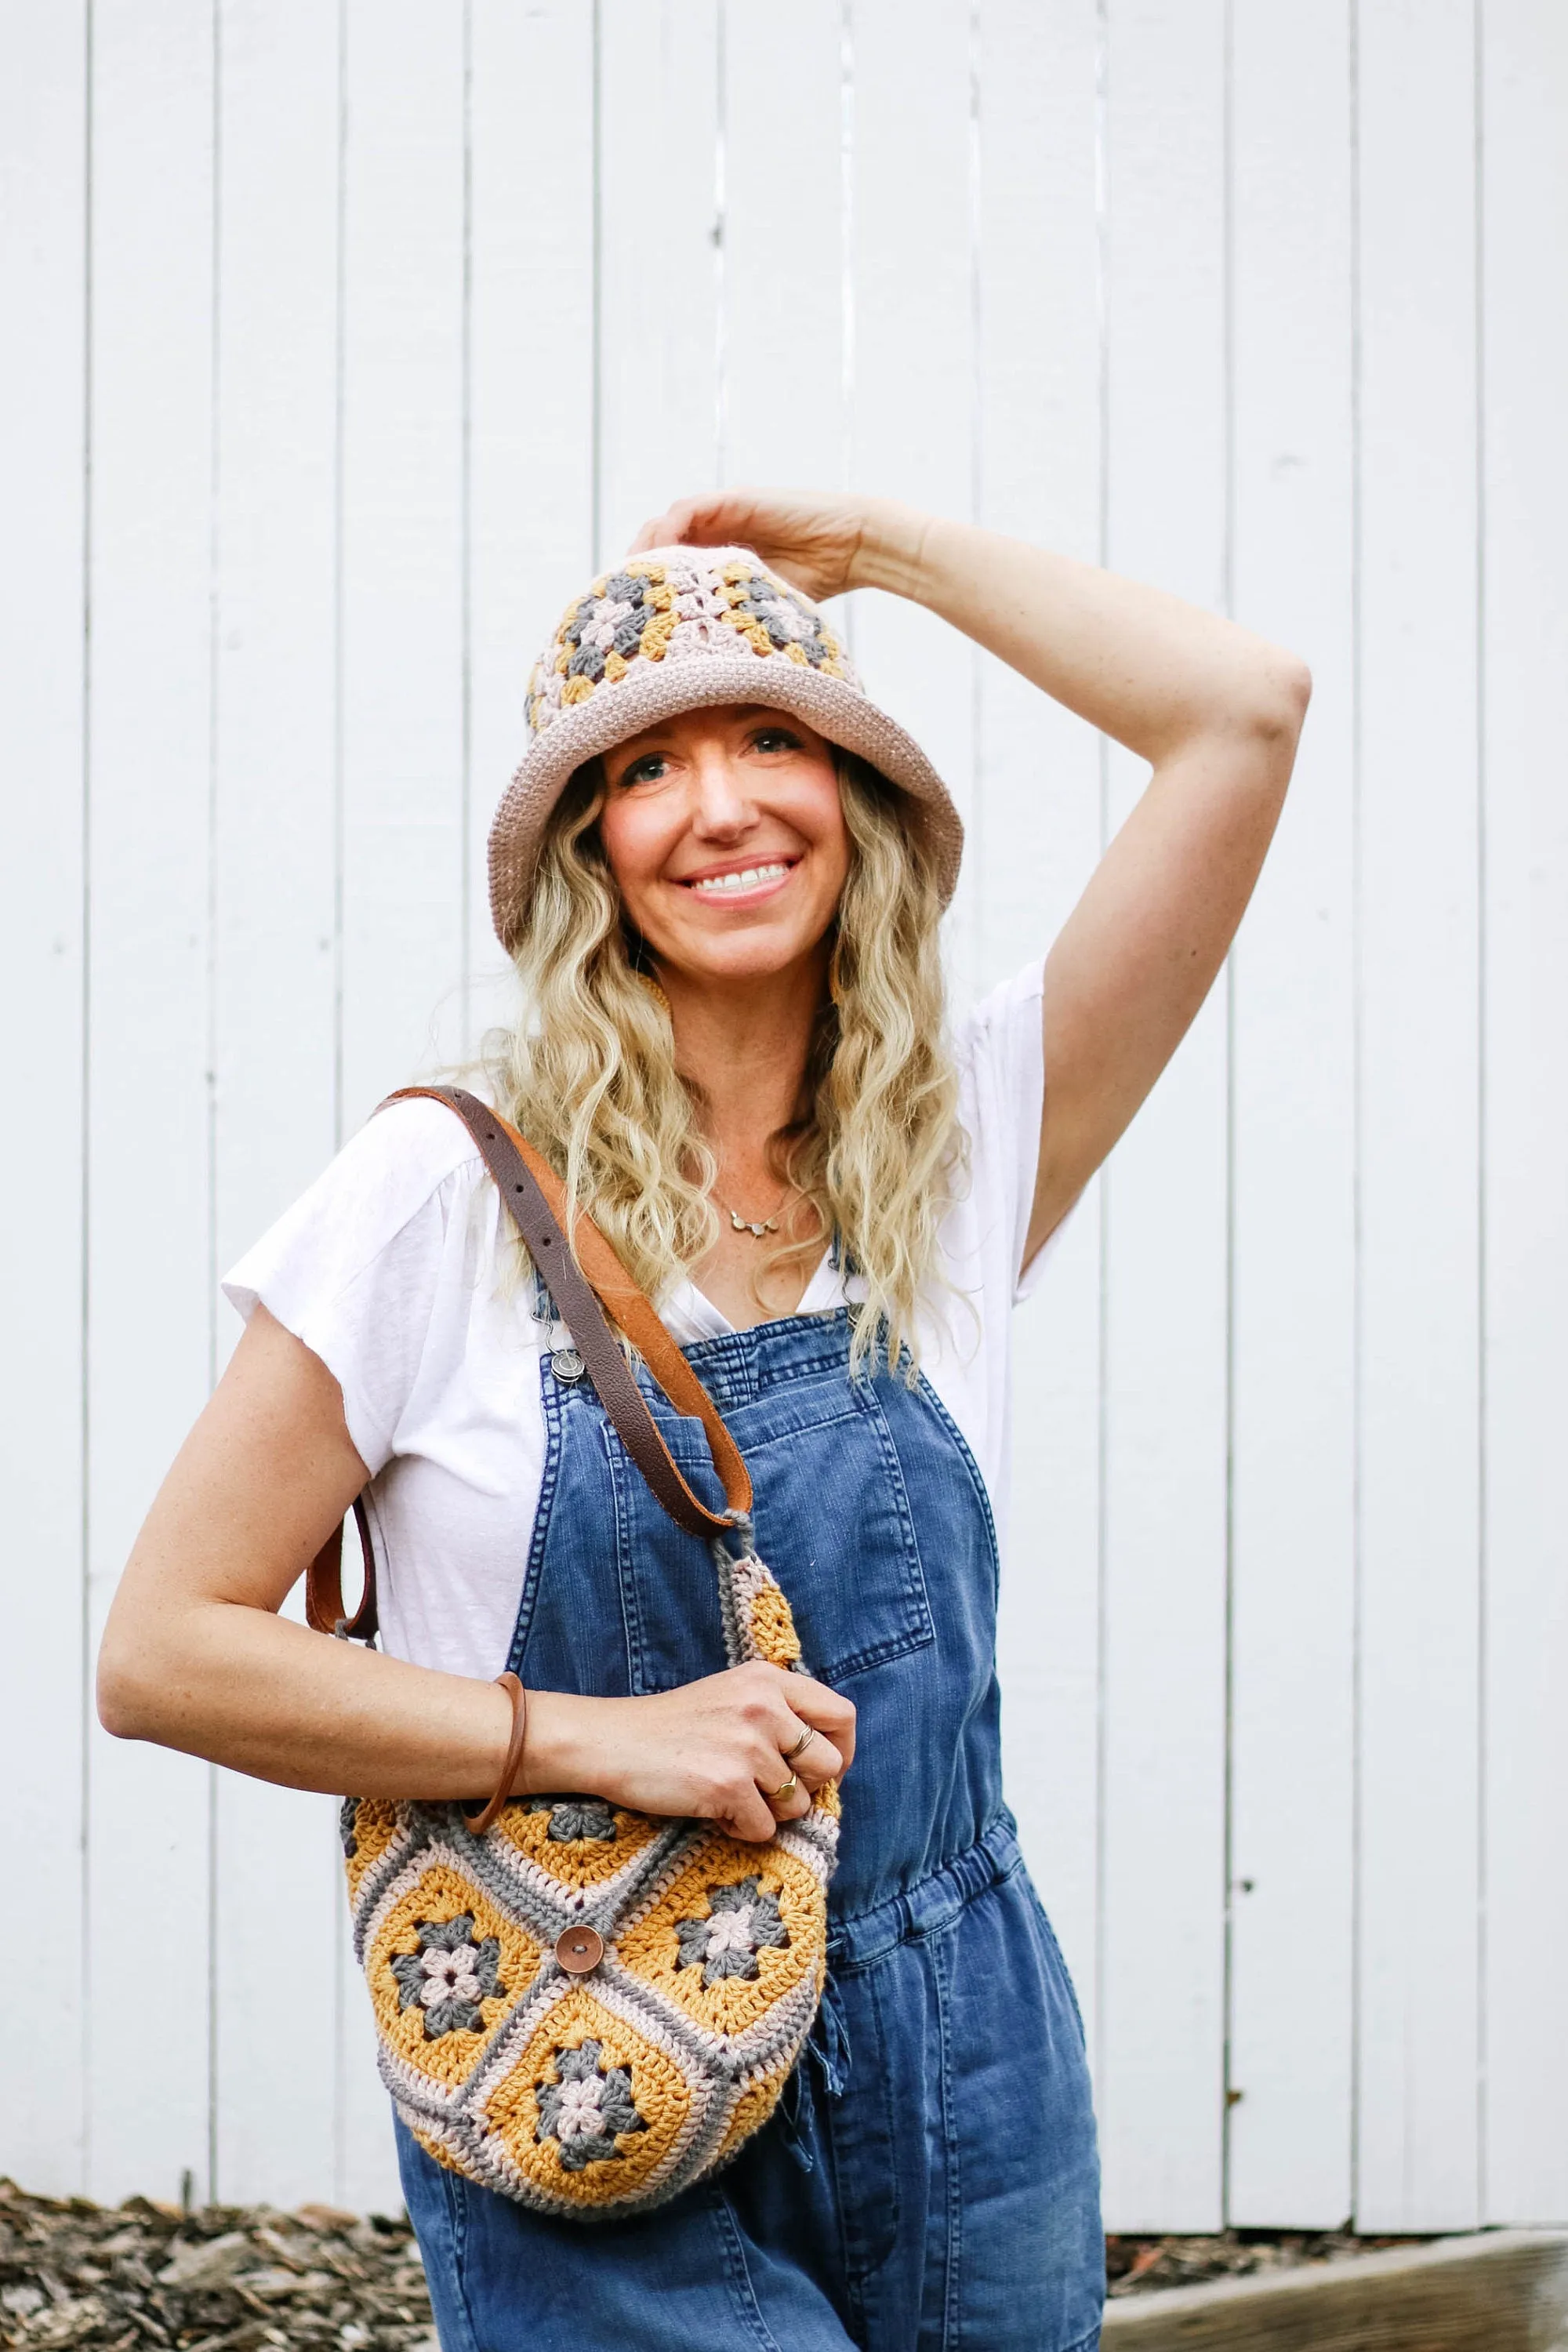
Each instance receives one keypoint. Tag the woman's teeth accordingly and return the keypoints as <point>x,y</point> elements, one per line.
<point>751,877</point>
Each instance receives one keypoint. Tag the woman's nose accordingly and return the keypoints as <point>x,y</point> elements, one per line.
<point>720,803</point>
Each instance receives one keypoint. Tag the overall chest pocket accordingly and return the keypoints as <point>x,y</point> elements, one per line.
<point>832,1520</point>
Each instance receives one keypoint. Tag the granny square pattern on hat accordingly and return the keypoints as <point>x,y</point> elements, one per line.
<point>655,610</point>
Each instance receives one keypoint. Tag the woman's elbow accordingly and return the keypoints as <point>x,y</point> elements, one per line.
<point>1284,690</point>
<point>121,1705</point>
<point>1256,716</point>
<point>130,1684</point>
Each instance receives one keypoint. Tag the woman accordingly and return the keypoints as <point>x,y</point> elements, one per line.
<point>719,872</point>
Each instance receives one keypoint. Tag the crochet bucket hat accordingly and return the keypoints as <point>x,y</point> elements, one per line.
<point>674,630</point>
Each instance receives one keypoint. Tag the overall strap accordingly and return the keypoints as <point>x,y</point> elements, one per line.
<point>536,1200</point>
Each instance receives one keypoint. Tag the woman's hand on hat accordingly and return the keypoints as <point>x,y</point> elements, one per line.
<point>819,542</point>
<point>712,1751</point>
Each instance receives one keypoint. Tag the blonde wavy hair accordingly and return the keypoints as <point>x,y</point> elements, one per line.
<point>589,1074</point>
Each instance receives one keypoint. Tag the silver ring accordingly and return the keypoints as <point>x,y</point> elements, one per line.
<point>801,1744</point>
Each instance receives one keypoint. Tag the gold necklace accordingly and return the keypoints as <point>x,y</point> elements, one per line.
<point>745,1224</point>
<point>759,1230</point>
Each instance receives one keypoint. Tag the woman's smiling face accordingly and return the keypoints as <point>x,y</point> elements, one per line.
<point>725,833</point>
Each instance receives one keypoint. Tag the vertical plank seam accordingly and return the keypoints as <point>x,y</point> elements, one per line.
<point>596,320</point>
<point>1483,2166</point>
<point>214,557</point>
<point>466,535</point>
<point>847,268</point>
<point>1358,1117</point>
<point>84,1844</point>
<point>340,439</point>
<point>1229,2092</point>
<point>720,241</point>
<point>339,2154</point>
<point>977,492</point>
<point>1103,748</point>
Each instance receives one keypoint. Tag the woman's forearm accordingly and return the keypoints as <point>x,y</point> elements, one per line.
<point>267,1696</point>
<point>1151,671</point>
<point>264,1695</point>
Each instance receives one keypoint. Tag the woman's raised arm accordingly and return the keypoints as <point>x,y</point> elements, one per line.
<point>1215,711</point>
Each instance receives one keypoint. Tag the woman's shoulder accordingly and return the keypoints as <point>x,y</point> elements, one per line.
<point>375,1266</point>
<point>404,1154</point>
<point>406,1150</point>
<point>397,1181</point>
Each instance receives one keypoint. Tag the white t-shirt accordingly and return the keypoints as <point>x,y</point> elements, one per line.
<point>389,1269</point>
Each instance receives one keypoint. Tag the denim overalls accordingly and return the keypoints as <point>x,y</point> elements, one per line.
<point>930,2180</point>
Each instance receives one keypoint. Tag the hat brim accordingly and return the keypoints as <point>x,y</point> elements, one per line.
<point>660,690</point>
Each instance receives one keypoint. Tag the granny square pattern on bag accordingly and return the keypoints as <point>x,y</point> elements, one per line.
<point>609,2089</point>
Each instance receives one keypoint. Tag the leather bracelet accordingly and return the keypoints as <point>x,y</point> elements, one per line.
<point>481,1821</point>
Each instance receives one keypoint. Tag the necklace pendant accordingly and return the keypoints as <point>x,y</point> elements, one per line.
<point>744,1225</point>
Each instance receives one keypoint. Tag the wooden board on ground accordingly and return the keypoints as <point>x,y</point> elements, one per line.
<point>1502,2292</point>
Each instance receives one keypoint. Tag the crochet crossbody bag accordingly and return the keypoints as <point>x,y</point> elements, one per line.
<point>581,2006</point>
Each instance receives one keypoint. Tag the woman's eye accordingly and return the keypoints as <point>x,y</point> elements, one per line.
<point>775,738</point>
<point>646,770</point>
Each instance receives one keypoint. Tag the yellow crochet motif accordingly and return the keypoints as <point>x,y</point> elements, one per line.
<point>613,2089</point>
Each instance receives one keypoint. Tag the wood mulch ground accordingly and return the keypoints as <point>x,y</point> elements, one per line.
<point>240,2279</point>
<point>236,2278</point>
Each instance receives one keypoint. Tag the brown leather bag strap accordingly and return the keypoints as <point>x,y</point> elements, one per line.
<point>635,1313</point>
<point>324,1612</point>
<point>536,1199</point>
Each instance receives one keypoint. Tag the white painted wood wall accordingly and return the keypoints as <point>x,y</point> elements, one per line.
<point>340,342</point>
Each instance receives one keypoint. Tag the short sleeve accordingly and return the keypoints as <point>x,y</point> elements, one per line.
<point>355,1267</point>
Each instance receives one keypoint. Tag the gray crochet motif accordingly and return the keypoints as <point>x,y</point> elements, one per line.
<point>449,1975</point>
<point>585,2108</point>
<point>786,620</point>
<point>623,588</point>
<point>740,1920</point>
<point>348,1816</point>
<point>576,1819</point>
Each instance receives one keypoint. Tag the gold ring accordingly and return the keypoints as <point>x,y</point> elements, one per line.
<point>782,1796</point>
<point>801,1744</point>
